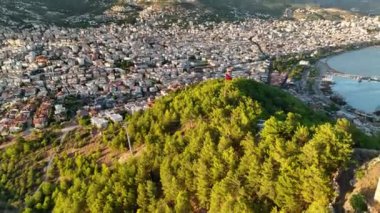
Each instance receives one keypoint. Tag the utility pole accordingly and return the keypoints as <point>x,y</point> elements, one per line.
<point>129,141</point>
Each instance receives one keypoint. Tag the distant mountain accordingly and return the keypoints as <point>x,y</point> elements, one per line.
<point>155,1</point>
<point>82,12</point>
<point>25,12</point>
<point>276,7</point>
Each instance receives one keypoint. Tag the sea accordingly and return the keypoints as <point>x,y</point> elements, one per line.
<point>363,95</point>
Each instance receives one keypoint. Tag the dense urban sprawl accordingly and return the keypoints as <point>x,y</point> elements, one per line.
<point>121,68</point>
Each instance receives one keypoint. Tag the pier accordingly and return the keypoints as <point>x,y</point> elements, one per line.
<point>358,78</point>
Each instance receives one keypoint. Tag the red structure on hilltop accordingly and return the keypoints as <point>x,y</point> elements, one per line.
<point>228,75</point>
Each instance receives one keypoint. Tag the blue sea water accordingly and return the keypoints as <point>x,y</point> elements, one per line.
<point>363,95</point>
<point>364,62</point>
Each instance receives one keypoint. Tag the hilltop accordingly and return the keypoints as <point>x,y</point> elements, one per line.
<point>25,13</point>
<point>85,13</point>
<point>218,146</point>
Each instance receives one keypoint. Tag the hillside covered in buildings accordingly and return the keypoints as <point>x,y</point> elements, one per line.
<point>189,106</point>
<point>219,146</point>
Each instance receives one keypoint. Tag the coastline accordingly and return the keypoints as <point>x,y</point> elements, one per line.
<point>325,69</point>
<point>350,51</point>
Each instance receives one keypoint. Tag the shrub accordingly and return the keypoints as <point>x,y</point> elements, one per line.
<point>358,203</point>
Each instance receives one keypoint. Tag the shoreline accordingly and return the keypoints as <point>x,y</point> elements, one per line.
<point>324,69</point>
<point>327,70</point>
<point>347,51</point>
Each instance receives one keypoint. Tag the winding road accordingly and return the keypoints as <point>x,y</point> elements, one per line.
<point>64,132</point>
<point>322,68</point>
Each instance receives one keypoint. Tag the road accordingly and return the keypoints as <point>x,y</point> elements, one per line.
<point>5,145</point>
<point>322,69</point>
<point>69,129</point>
<point>302,87</point>
<point>64,131</point>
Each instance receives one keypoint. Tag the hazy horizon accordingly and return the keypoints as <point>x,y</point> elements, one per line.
<point>63,11</point>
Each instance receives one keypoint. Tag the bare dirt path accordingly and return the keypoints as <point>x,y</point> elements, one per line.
<point>361,156</point>
<point>5,145</point>
<point>64,131</point>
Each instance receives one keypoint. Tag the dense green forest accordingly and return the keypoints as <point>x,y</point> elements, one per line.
<point>200,149</point>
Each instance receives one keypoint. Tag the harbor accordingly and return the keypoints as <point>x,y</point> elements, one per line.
<point>357,96</point>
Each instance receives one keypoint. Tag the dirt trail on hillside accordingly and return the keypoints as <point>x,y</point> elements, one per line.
<point>344,180</point>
